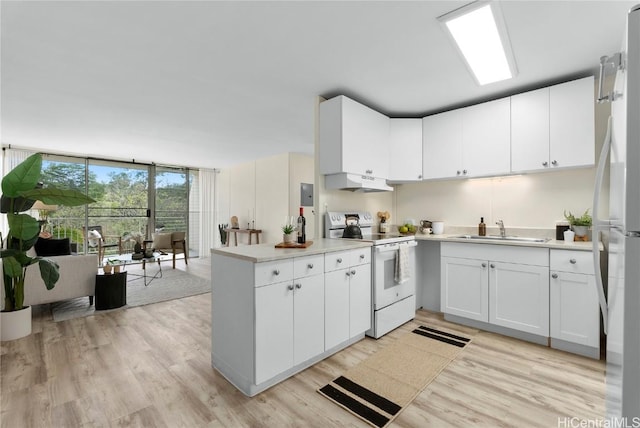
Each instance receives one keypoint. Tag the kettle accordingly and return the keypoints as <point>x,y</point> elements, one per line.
<point>352,230</point>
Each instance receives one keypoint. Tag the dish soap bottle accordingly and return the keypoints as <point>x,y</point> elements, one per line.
<point>482,228</point>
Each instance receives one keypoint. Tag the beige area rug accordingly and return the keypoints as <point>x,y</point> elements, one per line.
<point>377,389</point>
<point>174,284</point>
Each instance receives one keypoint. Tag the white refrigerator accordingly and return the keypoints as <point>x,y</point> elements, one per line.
<point>621,305</point>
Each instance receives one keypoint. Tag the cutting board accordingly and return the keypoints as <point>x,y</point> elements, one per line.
<point>294,245</point>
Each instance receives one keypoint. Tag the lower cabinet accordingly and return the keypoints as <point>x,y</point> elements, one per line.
<point>347,296</point>
<point>499,285</point>
<point>574,307</point>
<point>289,325</point>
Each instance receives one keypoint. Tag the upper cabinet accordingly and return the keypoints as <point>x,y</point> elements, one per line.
<point>353,139</point>
<point>468,142</point>
<point>442,145</point>
<point>553,127</point>
<point>405,154</point>
<point>486,138</point>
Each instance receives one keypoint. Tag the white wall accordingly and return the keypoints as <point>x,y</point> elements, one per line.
<point>265,191</point>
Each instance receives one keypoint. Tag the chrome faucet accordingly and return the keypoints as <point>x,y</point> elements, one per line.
<point>503,233</point>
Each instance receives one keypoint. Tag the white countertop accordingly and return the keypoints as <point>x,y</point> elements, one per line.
<point>268,252</point>
<point>553,243</point>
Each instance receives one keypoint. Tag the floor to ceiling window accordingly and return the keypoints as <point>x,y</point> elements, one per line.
<point>130,198</point>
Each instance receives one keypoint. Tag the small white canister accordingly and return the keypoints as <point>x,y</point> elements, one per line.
<point>569,235</point>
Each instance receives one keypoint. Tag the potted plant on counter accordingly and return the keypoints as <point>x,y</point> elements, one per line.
<point>288,235</point>
<point>580,225</point>
<point>20,190</point>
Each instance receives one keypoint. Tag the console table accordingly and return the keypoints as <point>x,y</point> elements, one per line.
<point>235,232</point>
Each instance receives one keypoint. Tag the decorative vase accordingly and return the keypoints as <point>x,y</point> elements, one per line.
<point>288,238</point>
<point>137,248</point>
<point>107,269</point>
<point>116,268</point>
<point>581,230</point>
<point>15,324</point>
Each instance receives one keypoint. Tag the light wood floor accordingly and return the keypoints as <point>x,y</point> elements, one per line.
<point>151,366</point>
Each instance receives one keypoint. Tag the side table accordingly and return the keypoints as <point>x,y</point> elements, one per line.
<point>111,291</point>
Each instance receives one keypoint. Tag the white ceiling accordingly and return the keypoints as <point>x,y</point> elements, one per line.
<point>209,84</point>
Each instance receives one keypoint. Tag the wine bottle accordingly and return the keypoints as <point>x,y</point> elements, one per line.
<point>302,222</point>
<point>482,228</point>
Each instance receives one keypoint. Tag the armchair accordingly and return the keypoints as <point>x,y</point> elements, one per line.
<point>173,242</point>
<point>96,239</point>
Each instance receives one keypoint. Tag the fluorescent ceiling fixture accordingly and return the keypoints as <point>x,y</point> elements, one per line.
<point>480,35</point>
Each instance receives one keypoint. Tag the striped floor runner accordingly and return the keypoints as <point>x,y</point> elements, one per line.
<point>377,389</point>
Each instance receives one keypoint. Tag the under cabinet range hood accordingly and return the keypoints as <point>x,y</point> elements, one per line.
<point>356,183</point>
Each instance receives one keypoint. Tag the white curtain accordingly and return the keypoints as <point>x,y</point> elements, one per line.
<point>208,229</point>
<point>10,159</point>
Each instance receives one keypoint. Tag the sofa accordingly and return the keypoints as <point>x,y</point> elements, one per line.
<point>77,279</point>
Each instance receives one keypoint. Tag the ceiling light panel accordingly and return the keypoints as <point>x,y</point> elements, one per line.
<point>479,34</point>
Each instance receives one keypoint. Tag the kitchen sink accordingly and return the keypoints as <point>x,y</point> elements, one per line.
<point>502,238</point>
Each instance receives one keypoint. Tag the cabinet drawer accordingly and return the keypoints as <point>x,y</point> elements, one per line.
<point>361,256</point>
<point>272,272</point>
<point>336,260</point>
<point>307,266</point>
<point>572,261</point>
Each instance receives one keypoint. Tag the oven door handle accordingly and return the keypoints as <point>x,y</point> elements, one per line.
<point>394,247</point>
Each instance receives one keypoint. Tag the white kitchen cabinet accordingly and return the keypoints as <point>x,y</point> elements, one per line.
<point>486,138</point>
<point>530,131</point>
<point>469,142</point>
<point>519,297</point>
<point>442,145</point>
<point>571,124</point>
<point>574,307</point>
<point>347,295</point>
<point>353,139</point>
<point>465,288</point>
<point>501,285</point>
<point>405,154</point>
<point>289,316</point>
<point>553,127</point>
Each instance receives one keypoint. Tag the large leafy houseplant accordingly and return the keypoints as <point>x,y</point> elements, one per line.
<point>20,189</point>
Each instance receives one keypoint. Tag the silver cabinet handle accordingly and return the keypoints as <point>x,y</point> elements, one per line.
<point>290,287</point>
<point>348,273</point>
<point>572,261</point>
<point>554,276</point>
<point>369,171</point>
<point>484,265</point>
<point>361,256</point>
<point>353,272</point>
<point>420,177</point>
<point>554,162</point>
<point>545,163</point>
<point>492,265</point>
<point>457,172</point>
<point>276,272</point>
<point>464,171</point>
<point>298,286</point>
<point>339,260</point>
<point>310,265</point>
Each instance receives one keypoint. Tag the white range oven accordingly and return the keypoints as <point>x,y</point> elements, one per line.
<point>393,270</point>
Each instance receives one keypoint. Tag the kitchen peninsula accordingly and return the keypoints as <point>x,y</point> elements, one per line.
<point>278,311</point>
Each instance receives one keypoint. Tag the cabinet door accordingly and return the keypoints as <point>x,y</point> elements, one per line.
<point>571,123</point>
<point>274,331</point>
<point>359,299</point>
<point>442,145</point>
<point>353,138</point>
<point>519,297</point>
<point>575,314</point>
<point>486,138</point>
<point>465,288</point>
<point>308,318</point>
<point>405,149</point>
<point>336,307</point>
<point>530,131</point>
